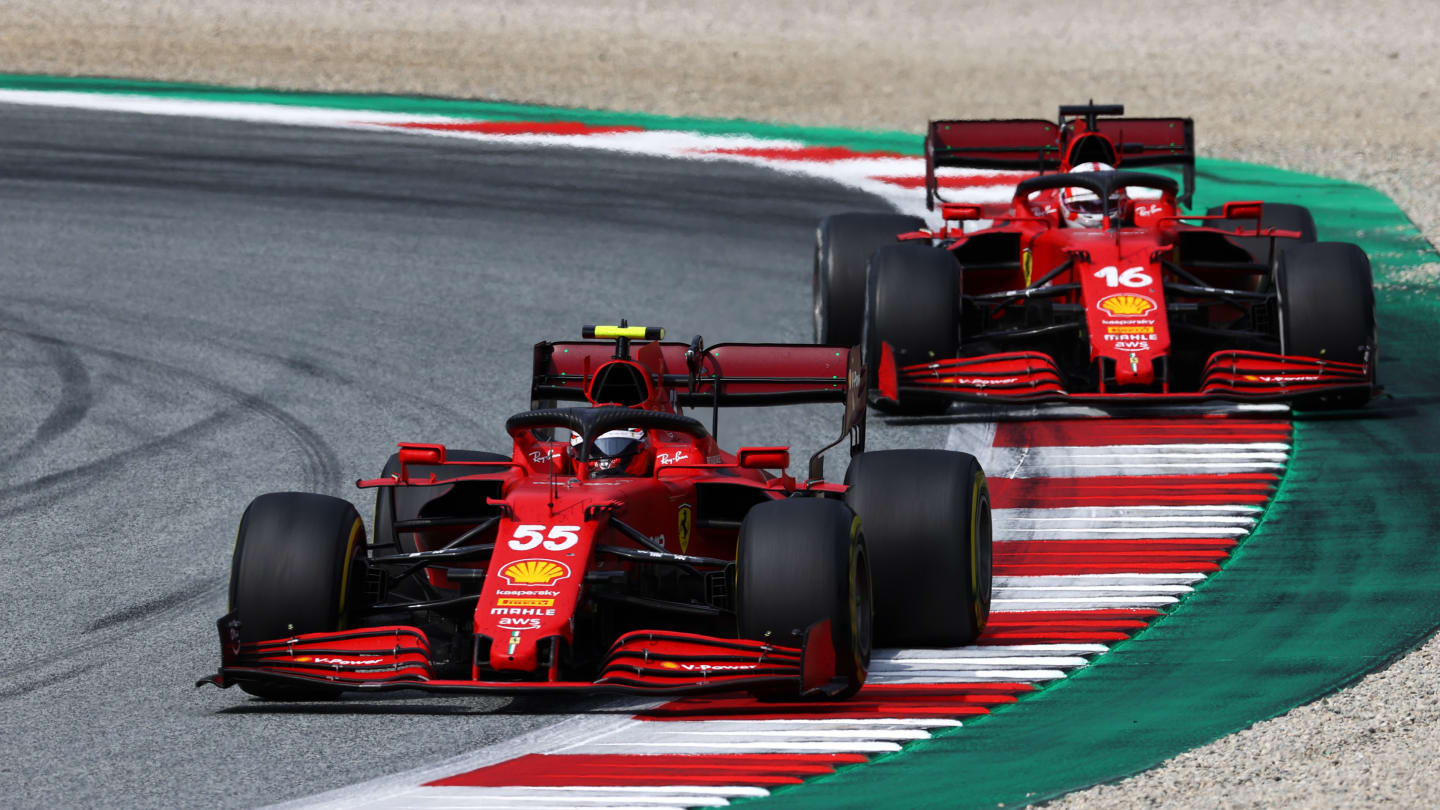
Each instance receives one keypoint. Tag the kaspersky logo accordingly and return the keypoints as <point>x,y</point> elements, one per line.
<point>535,572</point>
<point>1127,305</point>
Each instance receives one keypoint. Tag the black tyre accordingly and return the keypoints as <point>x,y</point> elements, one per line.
<point>298,568</point>
<point>1284,216</point>
<point>410,501</point>
<point>913,304</point>
<point>800,561</point>
<point>843,244</point>
<point>1327,310</point>
<point>926,518</point>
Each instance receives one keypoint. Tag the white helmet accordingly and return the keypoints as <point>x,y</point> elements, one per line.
<point>1082,206</point>
<point>615,452</point>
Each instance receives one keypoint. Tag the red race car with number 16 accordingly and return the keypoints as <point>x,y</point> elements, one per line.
<point>1092,284</point>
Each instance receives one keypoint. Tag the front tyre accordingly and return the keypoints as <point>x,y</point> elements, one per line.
<point>298,568</point>
<point>1327,310</point>
<point>843,244</point>
<point>926,516</point>
<point>913,304</point>
<point>800,561</point>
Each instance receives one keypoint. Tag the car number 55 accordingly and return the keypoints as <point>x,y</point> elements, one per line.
<point>530,535</point>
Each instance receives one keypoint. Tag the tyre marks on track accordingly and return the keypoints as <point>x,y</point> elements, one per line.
<point>320,468</point>
<point>73,400</point>
<point>1085,556</point>
<point>87,373</point>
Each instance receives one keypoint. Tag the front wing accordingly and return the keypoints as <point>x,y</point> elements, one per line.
<point>647,662</point>
<point>1027,377</point>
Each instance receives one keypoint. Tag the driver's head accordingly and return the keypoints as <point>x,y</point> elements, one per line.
<point>1082,207</point>
<point>615,452</point>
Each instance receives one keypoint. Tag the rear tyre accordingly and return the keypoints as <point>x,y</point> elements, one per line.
<point>1327,310</point>
<point>926,518</point>
<point>913,304</point>
<point>410,502</point>
<point>385,516</point>
<point>1284,216</point>
<point>298,568</point>
<point>801,561</point>
<point>843,244</point>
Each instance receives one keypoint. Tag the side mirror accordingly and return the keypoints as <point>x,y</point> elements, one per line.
<point>419,454</point>
<point>764,458</point>
<point>1242,210</point>
<point>411,453</point>
<point>960,212</point>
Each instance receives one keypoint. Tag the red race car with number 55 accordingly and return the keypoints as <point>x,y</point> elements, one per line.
<point>616,547</point>
<point>1092,284</point>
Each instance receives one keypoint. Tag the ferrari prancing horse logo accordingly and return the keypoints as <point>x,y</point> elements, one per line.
<point>687,522</point>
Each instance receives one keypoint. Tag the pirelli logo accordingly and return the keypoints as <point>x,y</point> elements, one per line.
<point>1130,330</point>
<point>512,601</point>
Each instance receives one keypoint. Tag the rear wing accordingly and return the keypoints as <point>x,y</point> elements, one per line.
<point>690,375</point>
<point>669,375</point>
<point>1039,146</point>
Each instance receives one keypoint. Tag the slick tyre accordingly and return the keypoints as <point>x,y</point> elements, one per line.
<point>801,561</point>
<point>843,244</point>
<point>298,568</point>
<point>1284,216</point>
<point>1327,310</point>
<point>912,303</point>
<point>926,518</point>
<point>410,501</point>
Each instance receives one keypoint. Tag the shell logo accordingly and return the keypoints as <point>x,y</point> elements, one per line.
<point>1124,304</point>
<point>535,572</point>
<point>669,665</point>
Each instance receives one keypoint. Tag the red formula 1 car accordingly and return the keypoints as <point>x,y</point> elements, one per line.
<point>617,547</point>
<point>1091,283</point>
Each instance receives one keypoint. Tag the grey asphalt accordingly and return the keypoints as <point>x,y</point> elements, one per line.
<point>195,312</point>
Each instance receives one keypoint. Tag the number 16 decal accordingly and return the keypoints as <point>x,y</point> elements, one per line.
<point>530,535</point>
<point>1129,277</point>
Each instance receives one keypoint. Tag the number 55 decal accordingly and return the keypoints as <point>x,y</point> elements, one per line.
<point>530,535</point>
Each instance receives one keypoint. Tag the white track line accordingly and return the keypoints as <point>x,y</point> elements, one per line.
<point>988,651</point>
<point>1051,580</point>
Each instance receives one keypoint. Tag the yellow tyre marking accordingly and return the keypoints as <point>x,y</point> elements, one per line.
<point>980,486</point>
<point>355,531</point>
<point>854,555</point>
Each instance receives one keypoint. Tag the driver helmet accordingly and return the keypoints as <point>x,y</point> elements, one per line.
<point>615,452</point>
<point>1082,206</point>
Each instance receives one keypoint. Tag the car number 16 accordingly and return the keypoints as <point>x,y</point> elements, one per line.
<point>530,535</point>
<point>1130,277</point>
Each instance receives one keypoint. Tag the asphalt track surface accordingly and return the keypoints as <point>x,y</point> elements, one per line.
<point>195,312</point>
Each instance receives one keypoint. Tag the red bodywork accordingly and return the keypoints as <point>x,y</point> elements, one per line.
<point>559,578</point>
<point>1160,305</point>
